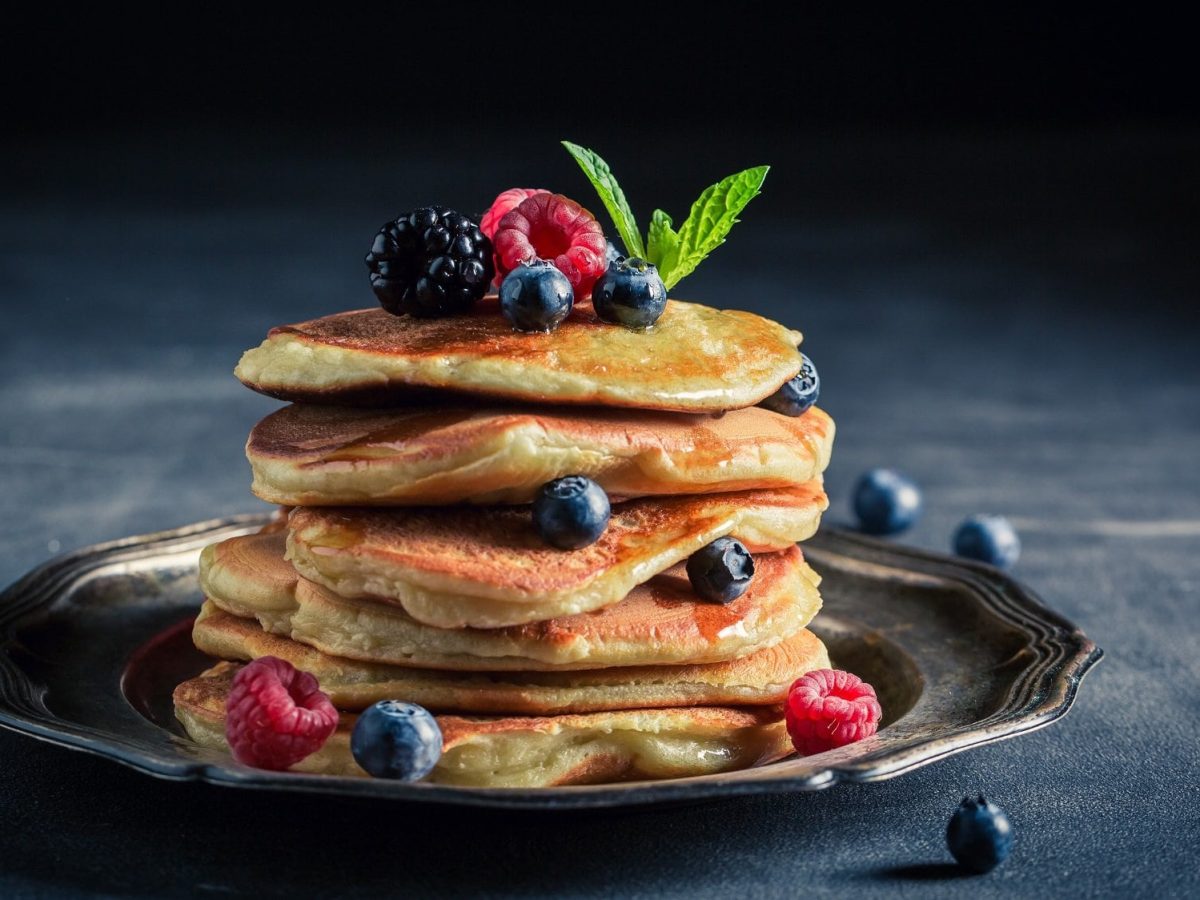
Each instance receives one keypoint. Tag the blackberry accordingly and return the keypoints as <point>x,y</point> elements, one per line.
<point>429,263</point>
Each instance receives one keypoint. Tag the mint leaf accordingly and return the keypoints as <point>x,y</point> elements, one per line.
<point>611,195</point>
<point>709,222</point>
<point>662,243</point>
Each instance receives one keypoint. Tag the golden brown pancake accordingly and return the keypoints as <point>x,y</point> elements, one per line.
<point>525,752</point>
<point>760,679</point>
<point>487,567</point>
<point>658,623</point>
<point>329,456</point>
<point>695,359</point>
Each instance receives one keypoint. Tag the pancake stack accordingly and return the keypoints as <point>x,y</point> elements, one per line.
<point>406,564</point>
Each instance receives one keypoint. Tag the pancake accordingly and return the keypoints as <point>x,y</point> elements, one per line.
<point>694,359</point>
<point>760,679</point>
<point>547,751</point>
<point>329,456</point>
<point>487,567</point>
<point>658,623</point>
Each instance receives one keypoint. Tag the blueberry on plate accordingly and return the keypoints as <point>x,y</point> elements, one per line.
<point>571,512</point>
<point>979,835</point>
<point>886,502</point>
<point>721,571</point>
<point>630,293</point>
<point>396,740</point>
<point>797,396</point>
<point>536,296</point>
<point>989,539</point>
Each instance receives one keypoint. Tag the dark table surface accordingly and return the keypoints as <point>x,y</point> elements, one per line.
<point>1010,319</point>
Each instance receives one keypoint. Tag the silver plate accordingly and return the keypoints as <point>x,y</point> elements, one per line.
<point>93,643</point>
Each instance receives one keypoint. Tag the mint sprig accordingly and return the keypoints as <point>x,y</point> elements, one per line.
<point>611,195</point>
<point>709,222</point>
<point>675,253</point>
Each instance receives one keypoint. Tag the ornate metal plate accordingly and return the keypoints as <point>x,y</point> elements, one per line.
<point>93,643</point>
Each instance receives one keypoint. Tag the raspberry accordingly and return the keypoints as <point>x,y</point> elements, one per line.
<point>830,708</point>
<point>557,229</point>
<point>276,715</point>
<point>502,206</point>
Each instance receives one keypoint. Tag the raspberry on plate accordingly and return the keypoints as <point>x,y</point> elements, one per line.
<point>276,715</point>
<point>830,708</point>
<point>554,228</point>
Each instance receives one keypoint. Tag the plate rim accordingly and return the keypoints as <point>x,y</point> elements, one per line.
<point>1044,692</point>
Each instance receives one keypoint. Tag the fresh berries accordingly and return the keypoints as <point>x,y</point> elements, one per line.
<point>886,502</point>
<point>276,715</point>
<point>630,293</point>
<point>830,708</point>
<point>429,263</point>
<point>797,396</point>
<point>721,571</point>
<point>571,512</point>
<point>979,835</point>
<point>610,254</point>
<point>535,296</point>
<point>505,203</point>
<point>396,740</point>
<point>552,227</point>
<point>990,539</point>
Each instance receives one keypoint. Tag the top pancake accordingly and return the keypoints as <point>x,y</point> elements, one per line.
<point>694,359</point>
<point>305,455</point>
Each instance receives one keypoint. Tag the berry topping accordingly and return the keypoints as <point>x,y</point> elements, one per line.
<point>630,293</point>
<point>432,262</point>
<point>396,740</point>
<point>979,835</point>
<point>276,715</point>
<point>505,203</point>
<point>571,512</point>
<point>830,708</point>
<point>552,227</point>
<point>886,502</point>
<point>989,539</point>
<point>721,571</point>
<point>797,396</point>
<point>535,296</point>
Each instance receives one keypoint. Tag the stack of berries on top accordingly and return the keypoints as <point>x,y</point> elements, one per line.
<point>513,551</point>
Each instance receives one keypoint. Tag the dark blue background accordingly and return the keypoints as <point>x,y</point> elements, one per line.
<point>986,229</point>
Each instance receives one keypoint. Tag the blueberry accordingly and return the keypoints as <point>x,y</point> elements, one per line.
<point>396,740</point>
<point>886,502</point>
<point>797,396</point>
<point>979,835</point>
<point>630,293</point>
<point>610,253</point>
<point>535,296</point>
<point>571,512</point>
<point>722,571</point>
<point>990,539</point>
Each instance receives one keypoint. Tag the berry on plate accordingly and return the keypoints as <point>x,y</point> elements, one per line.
<point>721,571</point>
<point>535,296</point>
<point>797,396</point>
<point>429,263</point>
<point>830,708</point>
<point>630,293</point>
<point>989,539</point>
<point>886,502</point>
<point>396,740</point>
<point>555,228</point>
<point>276,715</point>
<point>571,512</point>
<point>979,835</point>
